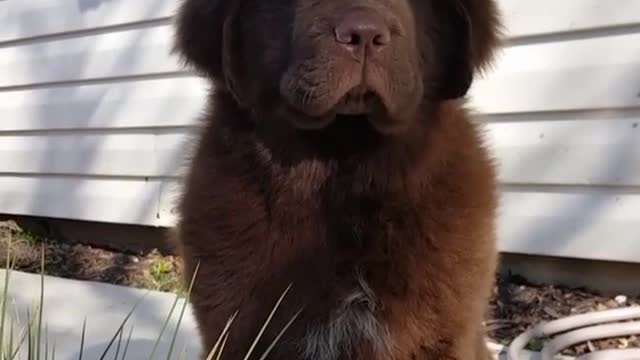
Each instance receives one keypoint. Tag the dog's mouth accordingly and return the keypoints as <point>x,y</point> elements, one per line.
<point>360,101</point>
<point>359,107</point>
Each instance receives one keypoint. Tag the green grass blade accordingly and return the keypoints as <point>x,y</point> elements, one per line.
<point>124,322</point>
<point>17,312</point>
<point>266,323</point>
<point>23,338</point>
<point>126,345</point>
<point>84,331</point>
<point>184,307</point>
<point>5,294</point>
<point>222,336</point>
<point>224,343</point>
<point>164,327</point>
<point>275,341</point>
<point>183,353</point>
<point>118,347</point>
<point>46,343</point>
<point>40,306</point>
<point>9,349</point>
<point>30,337</point>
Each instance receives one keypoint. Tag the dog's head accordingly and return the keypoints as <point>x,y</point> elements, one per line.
<point>319,61</point>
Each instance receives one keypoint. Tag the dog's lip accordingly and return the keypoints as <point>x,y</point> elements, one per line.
<point>304,121</point>
<point>359,100</point>
<point>356,102</point>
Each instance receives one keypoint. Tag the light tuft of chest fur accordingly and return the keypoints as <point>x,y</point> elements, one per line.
<point>351,327</point>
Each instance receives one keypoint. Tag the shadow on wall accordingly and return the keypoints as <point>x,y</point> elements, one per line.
<point>85,144</point>
<point>591,197</point>
<point>87,5</point>
<point>564,222</point>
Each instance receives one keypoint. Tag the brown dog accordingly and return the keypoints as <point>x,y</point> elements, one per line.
<point>337,157</point>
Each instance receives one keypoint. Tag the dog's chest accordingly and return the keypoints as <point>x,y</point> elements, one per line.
<point>347,230</point>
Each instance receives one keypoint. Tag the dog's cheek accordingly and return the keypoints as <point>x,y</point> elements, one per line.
<point>268,35</point>
<point>265,48</point>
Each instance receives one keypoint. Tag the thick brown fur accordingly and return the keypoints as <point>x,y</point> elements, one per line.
<point>382,222</point>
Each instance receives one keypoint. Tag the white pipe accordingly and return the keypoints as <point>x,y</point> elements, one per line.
<point>569,323</point>
<point>626,354</point>
<point>561,342</point>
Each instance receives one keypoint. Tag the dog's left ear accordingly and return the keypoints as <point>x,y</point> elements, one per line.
<point>198,37</point>
<point>469,33</point>
<point>204,40</point>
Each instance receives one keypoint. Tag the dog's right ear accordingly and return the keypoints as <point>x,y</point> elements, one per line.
<point>199,34</point>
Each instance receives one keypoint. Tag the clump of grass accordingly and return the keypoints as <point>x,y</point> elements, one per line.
<point>163,274</point>
<point>30,238</point>
<point>11,230</point>
<point>33,337</point>
<point>160,273</point>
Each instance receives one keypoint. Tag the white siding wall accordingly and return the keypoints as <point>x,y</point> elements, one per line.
<point>94,113</point>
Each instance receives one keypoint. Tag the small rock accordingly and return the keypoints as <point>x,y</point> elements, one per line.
<point>612,304</point>
<point>624,343</point>
<point>621,299</point>
<point>134,259</point>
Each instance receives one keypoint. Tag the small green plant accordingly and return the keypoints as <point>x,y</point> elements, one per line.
<point>162,274</point>
<point>33,338</point>
<point>18,235</point>
<point>29,238</point>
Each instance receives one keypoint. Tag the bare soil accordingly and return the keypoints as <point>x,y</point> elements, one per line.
<point>515,306</point>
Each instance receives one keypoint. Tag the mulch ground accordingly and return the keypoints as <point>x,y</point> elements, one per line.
<point>516,305</point>
<point>76,261</point>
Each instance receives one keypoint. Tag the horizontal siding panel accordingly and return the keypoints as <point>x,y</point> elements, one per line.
<point>79,154</point>
<point>170,190</point>
<point>564,90</point>
<point>147,103</point>
<point>174,151</point>
<point>587,223</point>
<point>25,19</point>
<point>528,18</point>
<point>604,151</point>
<point>571,54</point>
<point>563,152</point>
<point>579,74</point>
<point>114,54</point>
<point>104,200</point>
<point>577,223</point>
<point>143,153</point>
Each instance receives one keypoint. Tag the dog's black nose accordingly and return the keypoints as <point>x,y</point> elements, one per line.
<point>362,29</point>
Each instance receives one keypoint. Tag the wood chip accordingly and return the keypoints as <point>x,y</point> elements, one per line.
<point>551,312</point>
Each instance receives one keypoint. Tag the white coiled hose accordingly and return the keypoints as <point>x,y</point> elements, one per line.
<point>581,328</point>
